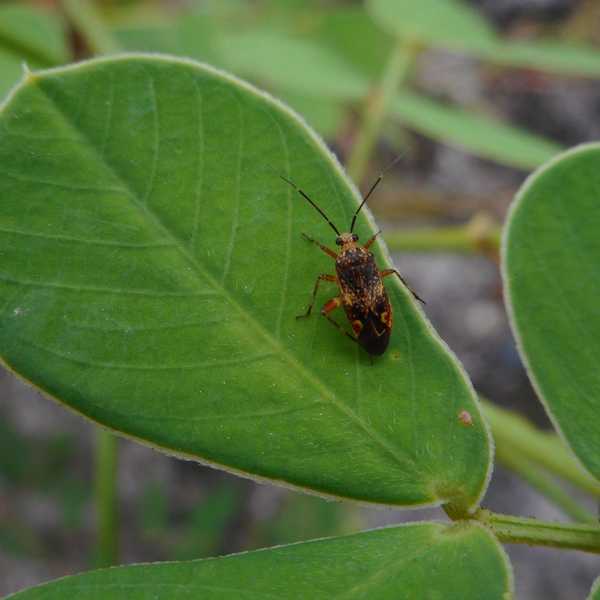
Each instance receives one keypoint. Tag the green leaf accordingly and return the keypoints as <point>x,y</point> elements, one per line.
<point>295,64</point>
<point>341,28</point>
<point>551,56</point>
<point>595,591</point>
<point>152,266</point>
<point>453,25</point>
<point>195,35</point>
<point>326,115</point>
<point>28,35</point>
<point>425,560</point>
<point>450,24</point>
<point>292,63</point>
<point>474,133</point>
<point>551,253</point>
<point>198,36</point>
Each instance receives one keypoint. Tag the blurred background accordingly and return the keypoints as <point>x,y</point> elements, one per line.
<point>470,123</point>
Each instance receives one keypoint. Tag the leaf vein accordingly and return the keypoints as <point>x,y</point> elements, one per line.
<point>107,290</point>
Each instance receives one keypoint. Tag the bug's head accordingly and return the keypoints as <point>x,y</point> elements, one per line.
<point>346,240</point>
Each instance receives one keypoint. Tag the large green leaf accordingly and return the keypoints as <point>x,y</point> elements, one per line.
<point>28,35</point>
<point>551,254</point>
<point>152,267</point>
<point>474,133</point>
<point>425,561</point>
<point>454,25</point>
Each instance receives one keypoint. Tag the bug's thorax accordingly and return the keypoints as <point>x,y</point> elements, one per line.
<point>351,253</point>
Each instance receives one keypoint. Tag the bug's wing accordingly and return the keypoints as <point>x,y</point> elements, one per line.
<point>374,335</point>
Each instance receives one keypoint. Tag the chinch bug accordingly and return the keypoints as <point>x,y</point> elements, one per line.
<point>360,282</point>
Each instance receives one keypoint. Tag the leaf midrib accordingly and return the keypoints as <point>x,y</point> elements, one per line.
<point>292,360</point>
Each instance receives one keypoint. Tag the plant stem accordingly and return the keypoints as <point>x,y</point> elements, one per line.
<point>84,18</point>
<point>396,71</point>
<point>481,234</point>
<point>519,530</point>
<point>512,431</point>
<point>106,498</point>
<point>512,459</point>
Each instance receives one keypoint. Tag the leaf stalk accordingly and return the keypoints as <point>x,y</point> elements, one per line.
<point>376,109</point>
<point>107,552</point>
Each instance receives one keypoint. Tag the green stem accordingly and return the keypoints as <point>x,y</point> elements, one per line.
<point>519,530</point>
<point>481,233</point>
<point>86,20</point>
<point>106,498</point>
<point>376,108</point>
<point>513,460</point>
<point>512,431</point>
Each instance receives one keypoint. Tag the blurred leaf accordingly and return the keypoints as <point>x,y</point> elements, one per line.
<point>194,35</point>
<point>351,34</point>
<point>153,509</point>
<point>15,454</point>
<point>73,495</point>
<point>551,257</point>
<point>472,132</point>
<point>302,517</point>
<point>206,525</point>
<point>595,592</point>
<point>450,24</point>
<point>19,539</point>
<point>323,114</point>
<point>453,25</point>
<point>28,35</point>
<point>425,560</point>
<point>554,57</point>
<point>293,64</point>
<point>152,267</point>
<point>33,34</point>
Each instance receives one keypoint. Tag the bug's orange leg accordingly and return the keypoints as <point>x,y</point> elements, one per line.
<point>322,277</point>
<point>325,249</point>
<point>371,240</point>
<point>331,306</point>
<point>387,272</point>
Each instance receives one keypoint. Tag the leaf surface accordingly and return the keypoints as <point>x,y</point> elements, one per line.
<point>426,561</point>
<point>152,267</point>
<point>551,259</point>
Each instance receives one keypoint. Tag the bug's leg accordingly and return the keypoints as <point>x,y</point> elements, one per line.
<point>371,240</point>
<point>331,306</point>
<point>322,277</point>
<point>387,272</point>
<point>325,249</point>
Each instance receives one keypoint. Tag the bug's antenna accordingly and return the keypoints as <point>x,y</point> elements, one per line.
<point>307,198</point>
<point>377,182</point>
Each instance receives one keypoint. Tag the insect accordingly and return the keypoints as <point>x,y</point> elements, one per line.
<point>362,294</point>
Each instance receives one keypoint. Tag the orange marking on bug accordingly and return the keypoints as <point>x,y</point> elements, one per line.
<point>357,327</point>
<point>465,418</point>
<point>331,305</point>
<point>386,318</point>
